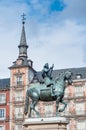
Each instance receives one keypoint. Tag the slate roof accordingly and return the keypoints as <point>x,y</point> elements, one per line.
<point>5,84</point>
<point>75,72</point>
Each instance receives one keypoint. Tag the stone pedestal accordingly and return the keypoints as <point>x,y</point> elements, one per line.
<point>51,123</point>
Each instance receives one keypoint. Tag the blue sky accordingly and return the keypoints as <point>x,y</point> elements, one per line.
<point>55,31</point>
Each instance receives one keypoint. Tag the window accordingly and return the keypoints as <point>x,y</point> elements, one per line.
<point>81,125</point>
<point>79,91</point>
<point>78,76</point>
<point>80,108</point>
<point>2,114</point>
<point>19,96</point>
<point>19,80</point>
<point>2,98</point>
<point>19,112</point>
<point>1,127</point>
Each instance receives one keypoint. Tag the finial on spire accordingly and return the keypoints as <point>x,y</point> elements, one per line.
<point>23,18</point>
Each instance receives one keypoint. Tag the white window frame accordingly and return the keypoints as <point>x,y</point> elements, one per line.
<point>3,118</point>
<point>19,79</point>
<point>19,112</point>
<point>3,100</point>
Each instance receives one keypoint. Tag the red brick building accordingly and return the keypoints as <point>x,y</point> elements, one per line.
<point>4,104</point>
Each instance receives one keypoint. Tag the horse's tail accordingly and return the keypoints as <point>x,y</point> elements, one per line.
<point>26,103</point>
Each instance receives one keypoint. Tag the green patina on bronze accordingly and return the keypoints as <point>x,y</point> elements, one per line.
<point>49,90</point>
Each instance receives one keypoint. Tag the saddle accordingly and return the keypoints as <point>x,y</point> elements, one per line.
<point>47,93</point>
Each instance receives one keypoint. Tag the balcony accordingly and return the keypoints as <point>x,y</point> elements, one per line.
<point>18,85</point>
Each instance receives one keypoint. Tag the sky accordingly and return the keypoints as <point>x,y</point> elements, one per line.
<point>55,32</point>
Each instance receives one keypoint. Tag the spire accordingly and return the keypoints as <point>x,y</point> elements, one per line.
<point>23,44</point>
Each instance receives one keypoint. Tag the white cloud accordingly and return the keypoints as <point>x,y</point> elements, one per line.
<point>58,44</point>
<point>75,10</point>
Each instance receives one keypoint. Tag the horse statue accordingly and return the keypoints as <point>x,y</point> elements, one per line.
<point>40,92</point>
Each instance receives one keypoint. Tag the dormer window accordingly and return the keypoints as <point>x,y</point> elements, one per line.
<point>30,62</point>
<point>19,62</point>
<point>78,76</point>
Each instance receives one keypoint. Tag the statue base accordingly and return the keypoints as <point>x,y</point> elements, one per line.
<point>51,123</point>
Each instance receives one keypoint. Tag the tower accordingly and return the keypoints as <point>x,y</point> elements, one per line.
<point>21,74</point>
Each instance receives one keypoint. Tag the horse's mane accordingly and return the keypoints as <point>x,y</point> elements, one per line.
<point>59,77</point>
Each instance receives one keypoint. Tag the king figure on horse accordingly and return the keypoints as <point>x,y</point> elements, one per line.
<point>47,77</point>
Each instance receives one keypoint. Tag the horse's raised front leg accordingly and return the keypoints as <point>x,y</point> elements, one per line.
<point>57,106</point>
<point>65,105</point>
<point>32,107</point>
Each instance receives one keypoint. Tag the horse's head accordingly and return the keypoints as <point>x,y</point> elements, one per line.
<point>68,77</point>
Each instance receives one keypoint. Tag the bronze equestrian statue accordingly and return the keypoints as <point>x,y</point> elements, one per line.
<point>49,90</point>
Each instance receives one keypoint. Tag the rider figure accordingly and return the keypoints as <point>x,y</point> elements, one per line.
<point>47,72</point>
<point>47,76</point>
